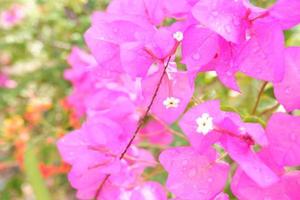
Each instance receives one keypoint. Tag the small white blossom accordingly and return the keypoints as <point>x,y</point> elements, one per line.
<point>178,36</point>
<point>171,102</point>
<point>205,124</point>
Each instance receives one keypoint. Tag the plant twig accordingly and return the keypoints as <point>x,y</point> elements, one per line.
<point>261,91</point>
<point>269,110</point>
<point>140,125</point>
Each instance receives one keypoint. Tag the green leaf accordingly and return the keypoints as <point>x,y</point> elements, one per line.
<point>34,176</point>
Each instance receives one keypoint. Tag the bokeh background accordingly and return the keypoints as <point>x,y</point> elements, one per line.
<point>33,109</point>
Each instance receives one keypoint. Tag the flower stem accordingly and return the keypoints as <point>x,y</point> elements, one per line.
<point>140,125</point>
<point>261,91</point>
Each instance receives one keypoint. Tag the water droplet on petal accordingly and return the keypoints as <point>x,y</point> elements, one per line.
<point>192,172</point>
<point>287,90</point>
<point>256,50</point>
<point>115,30</point>
<point>210,180</point>
<point>229,73</point>
<point>247,35</point>
<point>215,13</point>
<point>202,192</point>
<point>293,136</point>
<point>258,70</point>
<point>196,56</point>
<point>185,162</point>
<point>228,29</point>
<point>236,21</point>
<point>264,56</point>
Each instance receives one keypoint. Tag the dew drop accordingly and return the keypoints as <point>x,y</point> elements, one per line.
<point>215,13</point>
<point>196,56</point>
<point>115,30</point>
<point>236,22</point>
<point>229,73</point>
<point>228,29</point>
<point>263,56</point>
<point>293,136</point>
<point>287,90</point>
<point>185,162</point>
<point>210,180</point>
<point>255,50</point>
<point>202,192</point>
<point>258,70</point>
<point>192,172</point>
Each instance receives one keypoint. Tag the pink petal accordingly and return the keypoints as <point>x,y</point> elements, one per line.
<point>135,59</point>
<point>249,162</point>
<point>222,16</point>
<point>284,142</point>
<point>286,12</point>
<point>261,56</point>
<point>287,91</point>
<point>199,47</point>
<point>191,175</point>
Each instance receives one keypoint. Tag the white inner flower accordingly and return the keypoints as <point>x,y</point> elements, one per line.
<point>178,36</point>
<point>205,123</point>
<point>171,102</point>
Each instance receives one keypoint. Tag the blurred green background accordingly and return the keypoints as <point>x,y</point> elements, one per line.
<point>33,113</point>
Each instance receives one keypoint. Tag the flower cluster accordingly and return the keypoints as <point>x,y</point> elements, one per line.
<point>131,89</point>
<point>12,16</point>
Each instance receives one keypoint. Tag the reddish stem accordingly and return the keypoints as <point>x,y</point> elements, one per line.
<point>140,125</point>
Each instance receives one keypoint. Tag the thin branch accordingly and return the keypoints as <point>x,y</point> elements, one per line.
<point>261,91</point>
<point>140,125</point>
<point>270,110</point>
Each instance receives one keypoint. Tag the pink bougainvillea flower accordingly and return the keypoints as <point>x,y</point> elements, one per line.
<point>192,175</point>
<point>128,180</point>
<point>199,47</point>
<point>180,9</point>
<point>227,18</point>
<point>284,143</point>
<point>81,63</point>
<point>203,50</point>
<point>222,196</point>
<point>286,12</point>
<point>247,159</point>
<point>255,50</point>
<point>137,57</point>
<point>156,132</point>
<point>94,88</point>
<point>132,45</point>
<point>6,82</point>
<point>108,32</point>
<point>95,149</point>
<point>143,191</point>
<point>199,121</point>
<point>224,65</point>
<point>13,16</point>
<point>149,191</point>
<point>151,10</point>
<point>80,76</point>
<point>106,102</point>
<point>173,95</point>
<point>95,146</point>
<point>206,125</point>
<point>286,91</point>
<point>261,55</point>
<point>287,188</point>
